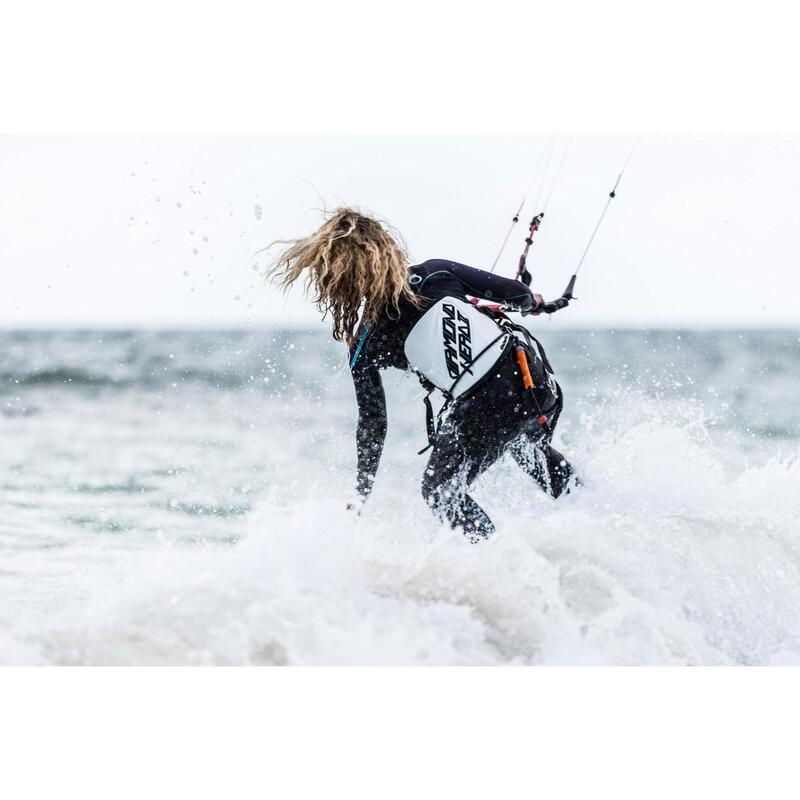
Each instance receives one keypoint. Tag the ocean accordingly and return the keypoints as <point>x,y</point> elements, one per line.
<point>178,497</point>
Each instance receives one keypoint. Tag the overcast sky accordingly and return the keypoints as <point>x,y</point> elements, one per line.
<point>148,231</point>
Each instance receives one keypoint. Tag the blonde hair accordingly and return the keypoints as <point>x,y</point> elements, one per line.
<point>351,260</point>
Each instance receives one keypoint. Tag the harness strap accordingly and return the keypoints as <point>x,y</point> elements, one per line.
<point>468,367</point>
<point>432,426</point>
<point>432,423</point>
<point>531,340</point>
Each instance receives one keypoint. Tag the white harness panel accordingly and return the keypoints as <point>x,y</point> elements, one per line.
<point>446,339</point>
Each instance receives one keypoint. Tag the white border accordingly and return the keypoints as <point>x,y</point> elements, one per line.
<point>434,66</point>
<point>398,733</point>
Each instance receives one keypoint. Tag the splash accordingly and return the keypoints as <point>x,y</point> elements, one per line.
<point>682,547</point>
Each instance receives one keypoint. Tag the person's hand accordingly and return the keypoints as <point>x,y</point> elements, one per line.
<point>538,300</point>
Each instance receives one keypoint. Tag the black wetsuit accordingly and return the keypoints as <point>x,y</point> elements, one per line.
<point>487,421</point>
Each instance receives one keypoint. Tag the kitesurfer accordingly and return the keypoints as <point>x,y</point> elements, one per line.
<point>419,317</point>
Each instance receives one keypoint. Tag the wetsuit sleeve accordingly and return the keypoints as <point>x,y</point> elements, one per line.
<point>486,285</point>
<point>371,430</point>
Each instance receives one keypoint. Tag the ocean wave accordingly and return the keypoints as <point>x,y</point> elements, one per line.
<point>744,379</point>
<point>78,378</point>
<point>12,411</point>
<point>678,549</point>
<point>155,360</point>
<point>58,375</point>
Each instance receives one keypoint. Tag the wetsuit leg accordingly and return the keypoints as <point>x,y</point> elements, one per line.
<point>455,463</point>
<point>473,436</point>
<point>478,431</point>
<point>543,463</point>
<point>534,452</point>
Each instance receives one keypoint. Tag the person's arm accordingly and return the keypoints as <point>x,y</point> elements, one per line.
<point>371,430</point>
<point>486,285</point>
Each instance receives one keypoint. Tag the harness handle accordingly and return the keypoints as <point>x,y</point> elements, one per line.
<point>527,381</point>
<point>522,360</point>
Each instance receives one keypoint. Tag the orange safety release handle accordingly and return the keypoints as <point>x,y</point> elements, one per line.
<point>522,360</point>
<point>527,381</point>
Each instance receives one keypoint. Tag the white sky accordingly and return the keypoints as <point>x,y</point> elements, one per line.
<point>102,230</point>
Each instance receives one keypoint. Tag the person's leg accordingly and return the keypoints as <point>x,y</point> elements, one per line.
<point>459,457</point>
<point>475,435</point>
<point>452,467</point>
<point>543,463</point>
<point>534,452</point>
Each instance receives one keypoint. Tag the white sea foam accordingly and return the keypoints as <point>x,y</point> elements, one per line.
<point>682,547</point>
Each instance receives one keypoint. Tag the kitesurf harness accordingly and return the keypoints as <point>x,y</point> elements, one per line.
<point>456,323</point>
<point>454,345</point>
